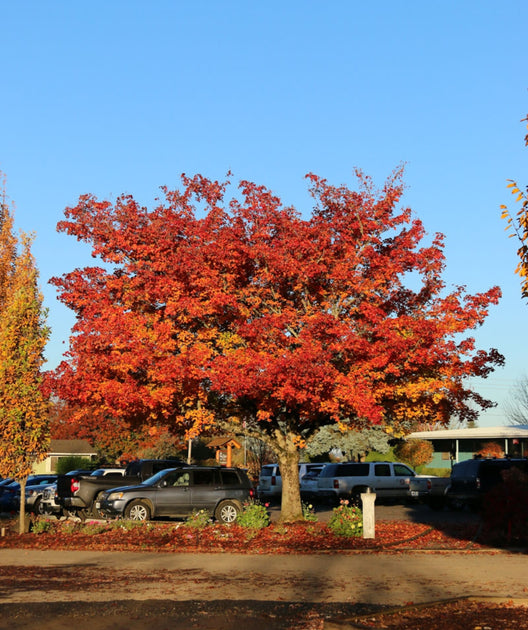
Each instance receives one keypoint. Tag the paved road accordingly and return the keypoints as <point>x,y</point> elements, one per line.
<point>381,578</point>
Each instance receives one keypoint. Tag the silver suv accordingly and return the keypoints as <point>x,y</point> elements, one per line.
<point>347,480</point>
<point>270,480</point>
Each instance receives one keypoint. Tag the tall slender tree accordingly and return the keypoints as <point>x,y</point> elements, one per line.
<point>24,435</point>
<point>517,226</point>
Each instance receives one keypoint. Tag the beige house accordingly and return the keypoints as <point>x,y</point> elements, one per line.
<point>64,448</point>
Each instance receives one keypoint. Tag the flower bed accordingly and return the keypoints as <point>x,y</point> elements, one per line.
<point>302,537</point>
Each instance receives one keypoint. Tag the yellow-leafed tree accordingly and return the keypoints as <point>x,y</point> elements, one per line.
<point>518,226</point>
<point>24,421</point>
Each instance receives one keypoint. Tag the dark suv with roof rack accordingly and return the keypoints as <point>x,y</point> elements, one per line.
<point>177,492</point>
<point>473,478</point>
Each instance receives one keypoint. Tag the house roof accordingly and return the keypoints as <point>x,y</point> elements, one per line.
<point>71,447</point>
<point>479,433</point>
<point>219,442</point>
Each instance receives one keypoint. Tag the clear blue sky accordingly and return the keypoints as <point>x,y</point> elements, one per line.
<point>123,96</point>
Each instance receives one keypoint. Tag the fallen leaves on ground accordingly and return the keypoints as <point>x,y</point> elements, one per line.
<point>458,615</point>
<point>304,537</point>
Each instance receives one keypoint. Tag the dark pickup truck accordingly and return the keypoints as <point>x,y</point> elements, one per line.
<point>77,494</point>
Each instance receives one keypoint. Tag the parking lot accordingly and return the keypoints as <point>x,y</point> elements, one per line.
<point>414,512</point>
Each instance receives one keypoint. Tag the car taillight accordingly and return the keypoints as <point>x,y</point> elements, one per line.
<point>74,486</point>
<point>252,493</point>
<point>336,484</point>
<point>429,484</point>
<point>273,480</point>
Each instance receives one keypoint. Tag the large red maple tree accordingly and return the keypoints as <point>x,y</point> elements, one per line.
<point>209,312</point>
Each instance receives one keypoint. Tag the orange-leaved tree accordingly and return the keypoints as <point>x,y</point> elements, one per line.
<point>415,452</point>
<point>210,312</point>
<point>491,449</point>
<point>24,436</point>
<point>518,227</point>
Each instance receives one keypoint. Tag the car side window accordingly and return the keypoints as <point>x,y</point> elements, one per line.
<point>353,470</point>
<point>203,477</point>
<point>229,478</point>
<point>179,478</point>
<point>402,471</point>
<point>382,470</point>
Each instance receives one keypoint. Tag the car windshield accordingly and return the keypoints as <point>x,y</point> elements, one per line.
<point>152,481</point>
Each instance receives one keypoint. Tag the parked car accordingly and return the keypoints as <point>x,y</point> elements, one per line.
<point>473,478</point>
<point>270,480</point>
<point>4,483</point>
<point>49,503</point>
<point>430,490</point>
<point>308,483</point>
<point>35,484</point>
<point>347,480</point>
<point>104,472</point>
<point>78,494</point>
<point>176,492</point>
<point>7,496</point>
<point>34,493</point>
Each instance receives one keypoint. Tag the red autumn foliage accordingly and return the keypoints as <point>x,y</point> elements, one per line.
<point>491,449</point>
<point>208,313</point>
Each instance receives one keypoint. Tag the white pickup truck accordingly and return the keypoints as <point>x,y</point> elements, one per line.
<point>430,490</point>
<point>347,480</point>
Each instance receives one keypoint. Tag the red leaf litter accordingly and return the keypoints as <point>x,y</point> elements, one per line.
<point>302,537</point>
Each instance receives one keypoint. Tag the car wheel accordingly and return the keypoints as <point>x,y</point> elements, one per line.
<point>137,511</point>
<point>227,512</point>
<point>38,508</point>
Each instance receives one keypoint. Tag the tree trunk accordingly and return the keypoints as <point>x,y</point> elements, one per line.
<point>23,527</point>
<point>291,508</point>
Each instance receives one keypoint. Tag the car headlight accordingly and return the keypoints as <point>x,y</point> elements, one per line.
<point>114,496</point>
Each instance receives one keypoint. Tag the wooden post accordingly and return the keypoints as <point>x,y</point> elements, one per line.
<point>368,499</point>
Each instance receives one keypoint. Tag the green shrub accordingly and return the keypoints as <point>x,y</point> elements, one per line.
<point>198,519</point>
<point>41,525</point>
<point>125,525</point>
<point>254,515</point>
<point>73,462</point>
<point>308,513</point>
<point>346,520</point>
<point>374,456</point>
